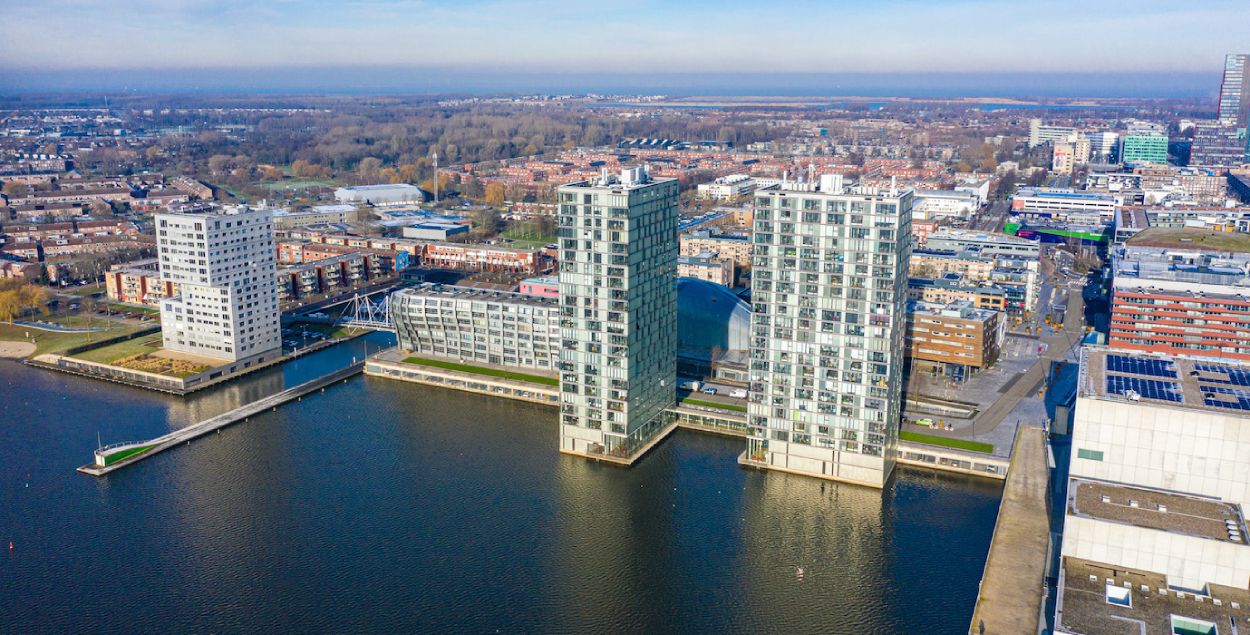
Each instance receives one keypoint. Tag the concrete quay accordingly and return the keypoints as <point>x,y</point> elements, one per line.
<point>206,426</point>
<point>1012,587</point>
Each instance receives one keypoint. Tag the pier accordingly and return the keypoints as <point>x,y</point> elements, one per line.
<point>138,451</point>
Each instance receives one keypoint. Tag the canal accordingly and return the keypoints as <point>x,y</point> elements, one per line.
<point>383,506</point>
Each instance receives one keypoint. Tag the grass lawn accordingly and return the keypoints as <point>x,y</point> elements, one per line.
<point>130,308</point>
<point>294,184</point>
<point>330,330</point>
<point>110,459</point>
<point>54,342</point>
<point>522,238</point>
<point>713,404</point>
<point>960,444</point>
<point>112,353</point>
<point>479,370</point>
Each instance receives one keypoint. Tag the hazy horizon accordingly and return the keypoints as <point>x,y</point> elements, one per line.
<point>382,80</point>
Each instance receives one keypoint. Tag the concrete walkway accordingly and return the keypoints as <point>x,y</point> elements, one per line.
<point>194,430</point>
<point>1010,598</point>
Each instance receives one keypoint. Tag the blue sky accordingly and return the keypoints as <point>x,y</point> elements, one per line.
<point>580,36</point>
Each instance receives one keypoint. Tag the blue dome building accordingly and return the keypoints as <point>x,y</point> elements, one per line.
<point>710,316</point>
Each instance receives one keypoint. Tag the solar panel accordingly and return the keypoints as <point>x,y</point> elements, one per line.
<point>1234,399</point>
<point>1137,366</point>
<point>1236,376</point>
<point>1147,388</point>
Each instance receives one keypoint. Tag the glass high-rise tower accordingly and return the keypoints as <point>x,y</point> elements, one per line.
<point>618,312</point>
<point>1235,91</point>
<point>829,287</point>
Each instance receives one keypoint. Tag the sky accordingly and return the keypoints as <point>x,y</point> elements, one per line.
<point>495,37</point>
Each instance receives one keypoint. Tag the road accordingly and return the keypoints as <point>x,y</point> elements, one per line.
<point>1058,346</point>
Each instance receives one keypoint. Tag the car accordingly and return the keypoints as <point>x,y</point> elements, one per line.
<point>738,393</point>
<point>709,391</point>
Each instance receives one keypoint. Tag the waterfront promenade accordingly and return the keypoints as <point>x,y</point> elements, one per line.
<point>192,431</point>
<point>1010,600</point>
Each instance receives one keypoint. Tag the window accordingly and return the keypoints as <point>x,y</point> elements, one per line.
<point>1092,455</point>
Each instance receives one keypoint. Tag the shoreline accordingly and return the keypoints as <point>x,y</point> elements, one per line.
<point>16,349</point>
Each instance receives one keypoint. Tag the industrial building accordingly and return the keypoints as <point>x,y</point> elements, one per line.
<point>1154,533</point>
<point>379,195</point>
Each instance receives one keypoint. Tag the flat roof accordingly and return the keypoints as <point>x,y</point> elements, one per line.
<point>1191,238</point>
<point>1082,606</point>
<point>1189,383</point>
<point>1155,509</point>
<point>453,292</point>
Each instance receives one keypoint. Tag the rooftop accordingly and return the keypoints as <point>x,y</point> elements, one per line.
<point>1149,604</point>
<point>379,187</point>
<point>1191,238</point>
<point>1153,509</point>
<point>1213,386</point>
<point>452,292</point>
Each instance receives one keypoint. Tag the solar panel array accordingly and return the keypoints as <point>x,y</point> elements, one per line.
<point>1147,388</point>
<point>1240,398</point>
<point>1236,376</point>
<point>1137,366</point>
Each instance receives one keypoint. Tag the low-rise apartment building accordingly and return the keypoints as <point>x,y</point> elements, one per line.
<point>706,266</point>
<point>956,337</point>
<point>478,326</point>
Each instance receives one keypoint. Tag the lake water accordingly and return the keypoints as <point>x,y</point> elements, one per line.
<point>381,506</point>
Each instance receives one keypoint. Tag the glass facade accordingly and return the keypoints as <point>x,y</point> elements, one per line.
<point>618,311</point>
<point>478,326</point>
<point>827,330</point>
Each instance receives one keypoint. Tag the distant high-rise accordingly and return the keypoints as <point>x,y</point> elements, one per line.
<point>827,331</point>
<point>618,312</point>
<point>1226,141</point>
<point>1235,91</point>
<point>1149,149</point>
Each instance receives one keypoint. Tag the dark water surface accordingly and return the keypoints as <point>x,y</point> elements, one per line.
<point>382,506</point>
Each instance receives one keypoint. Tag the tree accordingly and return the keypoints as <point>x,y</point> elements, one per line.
<point>495,193</point>
<point>486,222</point>
<point>368,169</point>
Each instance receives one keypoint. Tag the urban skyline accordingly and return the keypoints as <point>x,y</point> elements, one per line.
<point>933,319</point>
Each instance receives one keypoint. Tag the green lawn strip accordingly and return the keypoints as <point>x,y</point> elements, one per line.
<point>125,454</point>
<point>479,370</point>
<point>961,444</point>
<point>56,341</point>
<point>713,404</point>
<point>528,239</point>
<point>114,352</point>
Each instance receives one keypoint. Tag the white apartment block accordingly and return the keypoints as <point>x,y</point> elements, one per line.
<point>223,260</point>
<point>827,330</point>
<point>727,187</point>
<point>618,312</point>
<point>1040,133</point>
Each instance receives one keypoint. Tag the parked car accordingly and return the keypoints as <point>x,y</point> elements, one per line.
<point>738,393</point>
<point>709,391</point>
